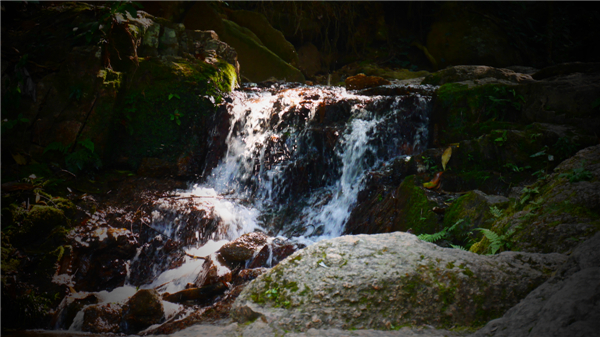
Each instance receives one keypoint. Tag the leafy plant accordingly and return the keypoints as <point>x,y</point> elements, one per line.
<point>497,242</point>
<point>577,174</point>
<point>516,168</point>
<point>564,147</point>
<point>497,213</point>
<point>176,114</point>
<point>456,232</point>
<point>502,139</point>
<point>528,193</point>
<point>79,159</point>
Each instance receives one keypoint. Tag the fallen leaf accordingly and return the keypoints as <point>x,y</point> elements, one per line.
<point>446,156</point>
<point>435,182</point>
<point>19,159</point>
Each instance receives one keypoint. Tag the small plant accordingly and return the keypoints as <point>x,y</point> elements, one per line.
<point>497,213</point>
<point>577,174</point>
<point>9,124</point>
<point>176,114</point>
<point>528,193</point>
<point>516,168</point>
<point>541,174</point>
<point>564,147</point>
<point>502,139</point>
<point>448,233</point>
<point>498,242</point>
<point>78,159</point>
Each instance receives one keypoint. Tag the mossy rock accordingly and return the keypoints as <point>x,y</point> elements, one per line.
<point>405,209</point>
<point>462,113</point>
<point>269,36</point>
<point>257,62</point>
<point>35,225</point>
<point>555,213</point>
<point>474,209</point>
<point>164,113</point>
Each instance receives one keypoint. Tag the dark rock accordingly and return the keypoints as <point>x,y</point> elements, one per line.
<point>155,257</point>
<point>273,253</point>
<point>309,60</point>
<point>565,305</point>
<point>246,275</point>
<point>214,270</point>
<point>406,208</point>
<point>69,307</point>
<point>143,309</point>
<point>361,81</point>
<point>476,75</point>
<point>102,318</point>
<point>244,247</point>
<point>200,295</point>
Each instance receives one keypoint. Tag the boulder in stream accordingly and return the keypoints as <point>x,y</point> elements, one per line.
<point>372,281</point>
<point>142,310</point>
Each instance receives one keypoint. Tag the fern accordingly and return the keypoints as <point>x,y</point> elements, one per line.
<point>496,241</point>
<point>497,213</point>
<point>441,234</point>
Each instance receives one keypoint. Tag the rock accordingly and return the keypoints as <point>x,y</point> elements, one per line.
<point>156,168</point>
<point>69,307</point>
<point>273,253</point>
<point>102,318</point>
<point>556,213</point>
<point>257,62</point>
<point>476,75</point>
<point>368,281</point>
<point>309,60</point>
<point>361,81</point>
<point>143,309</point>
<point>244,247</point>
<point>214,270</point>
<point>269,36</point>
<point>100,257</point>
<point>474,208</point>
<point>201,295</point>
<point>154,257</point>
<point>246,275</point>
<point>407,208</point>
<point>564,305</point>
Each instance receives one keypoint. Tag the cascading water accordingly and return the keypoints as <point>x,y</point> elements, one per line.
<point>295,160</point>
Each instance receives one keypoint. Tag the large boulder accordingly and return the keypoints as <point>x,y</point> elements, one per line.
<point>566,305</point>
<point>367,281</point>
<point>257,61</point>
<point>555,213</point>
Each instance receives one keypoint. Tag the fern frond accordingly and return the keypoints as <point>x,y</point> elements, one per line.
<point>433,237</point>
<point>459,247</point>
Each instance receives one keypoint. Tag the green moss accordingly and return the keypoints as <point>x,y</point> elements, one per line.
<point>163,113</point>
<point>471,112</point>
<point>417,209</point>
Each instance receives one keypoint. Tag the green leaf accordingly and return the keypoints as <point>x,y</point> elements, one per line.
<point>88,144</point>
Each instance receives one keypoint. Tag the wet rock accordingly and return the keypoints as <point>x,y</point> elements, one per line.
<point>153,258</point>
<point>143,309</point>
<point>246,275</point>
<point>69,307</point>
<point>201,295</point>
<point>358,280</point>
<point>100,257</point>
<point>214,270</point>
<point>309,60</point>
<point>361,81</point>
<point>244,247</point>
<point>102,318</point>
<point>406,208</point>
<point>565,305</point>
<point>273,253</point>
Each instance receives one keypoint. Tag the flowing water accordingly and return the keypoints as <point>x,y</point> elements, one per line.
<point>295,160</point>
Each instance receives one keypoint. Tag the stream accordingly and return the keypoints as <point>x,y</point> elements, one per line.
<point>296,158</point>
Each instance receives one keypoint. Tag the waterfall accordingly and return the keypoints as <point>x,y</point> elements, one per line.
<point>297,157</point>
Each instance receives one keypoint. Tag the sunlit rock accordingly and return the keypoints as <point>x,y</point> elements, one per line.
<point>368,281</point>
<point>244,247</point>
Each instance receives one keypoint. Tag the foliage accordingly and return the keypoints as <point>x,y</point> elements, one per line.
<point>498,242</point>
<point>9,124</point>
<point>528,193</point>
<point>502,139</point>
<point>577,174</point>
<point>82,158</point>
<point>497,213</point>
<point>457,232</point>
